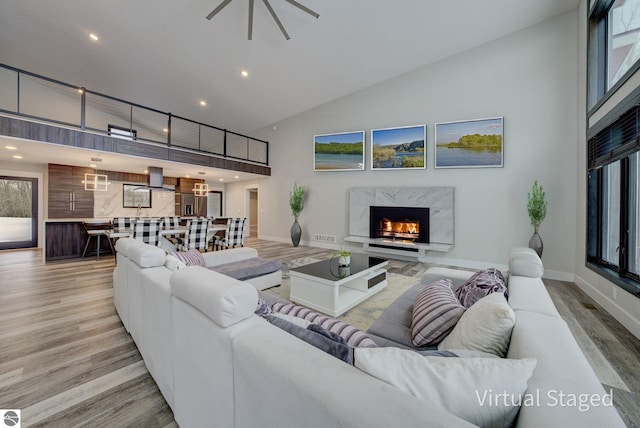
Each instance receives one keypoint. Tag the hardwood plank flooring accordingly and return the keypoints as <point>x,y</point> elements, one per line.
<point>66,359</point>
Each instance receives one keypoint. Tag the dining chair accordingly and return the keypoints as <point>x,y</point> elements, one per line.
<point>195,236</point>
<point>218,234</point>
<point>147,230</point>
<point>172,223</point>
<point>234,235</point>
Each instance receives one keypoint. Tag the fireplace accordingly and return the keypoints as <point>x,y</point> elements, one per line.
<point>404,224</point>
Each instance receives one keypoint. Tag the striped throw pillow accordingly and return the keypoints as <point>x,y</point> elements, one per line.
<point>191,257</point>
<point>354,337</point>
<point>436,311</point>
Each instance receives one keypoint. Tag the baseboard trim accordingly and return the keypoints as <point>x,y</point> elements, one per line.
<point>621,315</point>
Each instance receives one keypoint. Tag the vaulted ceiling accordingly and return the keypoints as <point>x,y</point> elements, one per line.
<point>167,55</point>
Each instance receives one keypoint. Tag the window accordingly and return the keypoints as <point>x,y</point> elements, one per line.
<point>611,213</point>
<point>613,203</point>
<point>634,214</point>
<point>18,212</point>
<point>123,133</point>
<point>623,45</point>
<point>614,46</point>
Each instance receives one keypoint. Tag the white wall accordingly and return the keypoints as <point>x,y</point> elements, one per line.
<point>527,77</point>
<point>618,302</point>
<point>21,169</point>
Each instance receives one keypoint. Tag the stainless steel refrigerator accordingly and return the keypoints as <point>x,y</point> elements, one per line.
<point>193,206</point>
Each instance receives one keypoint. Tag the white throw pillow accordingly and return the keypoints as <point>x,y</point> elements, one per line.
<point>473,389</point>
<point>173,264</point>
<point>486,326</point>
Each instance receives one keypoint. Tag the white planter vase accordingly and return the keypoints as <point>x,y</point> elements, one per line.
<point>344,260</point>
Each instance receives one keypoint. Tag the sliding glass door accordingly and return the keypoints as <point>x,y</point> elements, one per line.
<point>18,212</point>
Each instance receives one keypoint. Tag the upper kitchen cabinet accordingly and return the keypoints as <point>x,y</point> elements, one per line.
<point>67,197</point>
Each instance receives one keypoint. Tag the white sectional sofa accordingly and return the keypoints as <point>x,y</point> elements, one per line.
<point>142,297</point>
<point>219,364</point>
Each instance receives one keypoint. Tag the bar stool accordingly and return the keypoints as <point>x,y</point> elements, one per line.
<point>96,229</point>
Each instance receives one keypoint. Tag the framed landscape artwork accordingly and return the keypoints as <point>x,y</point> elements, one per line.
<point>339,152</point>
<point>470,144</point>
<point>398,148</point>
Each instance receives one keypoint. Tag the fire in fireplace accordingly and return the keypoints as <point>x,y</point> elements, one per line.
<point>399,223</point>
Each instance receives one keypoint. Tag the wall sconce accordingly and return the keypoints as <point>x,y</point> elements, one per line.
<point>200,189</point>
<point>96,182</point>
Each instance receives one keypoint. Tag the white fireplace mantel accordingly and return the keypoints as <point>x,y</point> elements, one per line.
<point>439,200</point>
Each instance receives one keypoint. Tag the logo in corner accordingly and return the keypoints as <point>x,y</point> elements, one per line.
<point>11,418</point>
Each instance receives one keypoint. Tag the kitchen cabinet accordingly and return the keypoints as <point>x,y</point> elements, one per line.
<point>67,197</point>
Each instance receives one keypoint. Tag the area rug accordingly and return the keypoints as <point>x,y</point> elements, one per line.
<point>364,314</point>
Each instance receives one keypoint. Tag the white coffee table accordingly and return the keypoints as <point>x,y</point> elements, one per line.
<point>333,290</point>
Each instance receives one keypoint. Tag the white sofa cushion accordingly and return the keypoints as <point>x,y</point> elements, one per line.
<point>525,262</point>
<point>530,294</point>
<point>281,381</point>
<point>223,299</point>
<point>562,377</point>
<point>466,387</point>
<point>486,326</point>
<point>145,255</point>
<point>173,264</point>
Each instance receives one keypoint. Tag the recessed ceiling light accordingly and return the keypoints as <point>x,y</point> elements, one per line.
<point>165,129</point>
<point>93,165</point>
<point>203,103</point>
<point>80,90</point>
<point>188,176</point>
<point>93,37</point>
<point>244,73</point>
<point>11,147</point>
<point>17,156</point>
<point>221,179</point>
<point>146,171</point>
<point>236,177</point>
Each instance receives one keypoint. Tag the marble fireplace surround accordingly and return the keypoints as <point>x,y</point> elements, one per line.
<point>439,200</point>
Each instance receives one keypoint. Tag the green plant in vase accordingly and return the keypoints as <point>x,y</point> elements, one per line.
<point>537,208</point>
<point>296,202</point>
<point>343,255</point>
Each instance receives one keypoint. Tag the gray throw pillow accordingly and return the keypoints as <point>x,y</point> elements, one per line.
<point>321,340</point>
<point>481,284</point>
<point>436,311</point>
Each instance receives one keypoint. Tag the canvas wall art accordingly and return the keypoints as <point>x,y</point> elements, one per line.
<point>398,148</point>
<point>339,152</point>
<point>470,144</point>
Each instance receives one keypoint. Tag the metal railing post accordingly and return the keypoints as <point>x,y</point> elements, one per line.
<point>224,148</point>
<point>169,131</point>
<point>83,104</point>
<point>18,94</point>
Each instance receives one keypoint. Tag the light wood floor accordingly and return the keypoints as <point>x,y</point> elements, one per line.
<point>66,360</point>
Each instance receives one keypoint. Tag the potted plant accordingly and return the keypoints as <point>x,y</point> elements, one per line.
<point>537,207</point>
<point>344,257</point>
<point>296,202</point>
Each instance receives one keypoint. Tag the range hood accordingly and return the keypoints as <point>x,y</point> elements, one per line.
<point>155,181</point>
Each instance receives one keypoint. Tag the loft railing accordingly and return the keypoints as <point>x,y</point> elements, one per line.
<point>38,97</point>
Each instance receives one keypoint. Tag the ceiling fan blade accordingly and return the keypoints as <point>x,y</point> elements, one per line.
<point>275,18</point>
<point>250,36</point>
<point>303,7</point>
<point>218,9</point>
